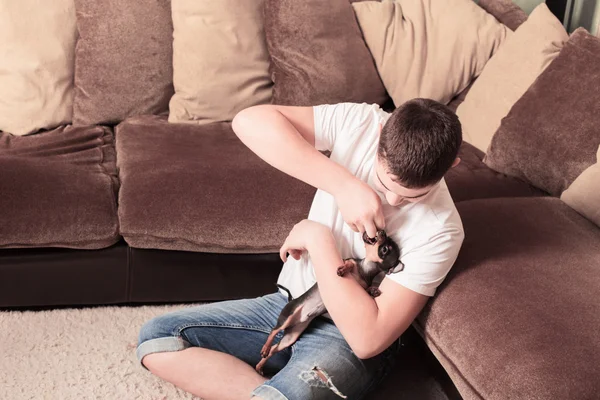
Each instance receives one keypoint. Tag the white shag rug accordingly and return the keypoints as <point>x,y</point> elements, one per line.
<point>88,353</point>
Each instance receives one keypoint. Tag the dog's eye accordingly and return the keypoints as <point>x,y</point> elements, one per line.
<point>384,250</point>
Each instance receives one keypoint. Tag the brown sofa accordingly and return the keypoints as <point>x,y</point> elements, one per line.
<point>152,220</point>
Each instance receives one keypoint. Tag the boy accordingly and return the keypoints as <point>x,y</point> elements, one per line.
<point>385,172</point>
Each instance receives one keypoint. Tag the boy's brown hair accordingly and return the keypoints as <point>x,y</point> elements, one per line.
<point>419,142</point>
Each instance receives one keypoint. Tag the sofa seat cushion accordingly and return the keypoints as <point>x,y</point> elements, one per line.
<point>517,316</point>
<point>472,179</point>
<point>199,188</point>
<point>59,189</point>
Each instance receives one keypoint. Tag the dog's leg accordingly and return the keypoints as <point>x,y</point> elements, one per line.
<point>265,349</point>
<point>289,338</point>
<point>349,265</point>
<point>290,320</point>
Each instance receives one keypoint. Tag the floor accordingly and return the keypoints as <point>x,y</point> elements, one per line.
<point>47,351</point>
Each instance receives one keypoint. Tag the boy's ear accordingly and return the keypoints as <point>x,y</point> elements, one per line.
<point>456,162</point>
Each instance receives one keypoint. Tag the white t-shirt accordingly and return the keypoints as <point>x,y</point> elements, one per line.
<point>429,232</point>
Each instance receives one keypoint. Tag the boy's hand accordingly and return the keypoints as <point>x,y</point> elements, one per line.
<point>300,237</point>
<point>360,207</point>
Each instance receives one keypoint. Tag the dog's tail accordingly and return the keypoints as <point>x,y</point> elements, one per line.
<point>290,298</point>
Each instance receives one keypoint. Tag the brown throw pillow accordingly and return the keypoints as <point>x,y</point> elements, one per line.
<point>428,48</point>
<point>123,60</point>
<point>551,134</point>
<point>584,193</point>
<point>318,54</point>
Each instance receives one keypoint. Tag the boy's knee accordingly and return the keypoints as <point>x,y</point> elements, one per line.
<point>155,328</point>
<point>156,362</point>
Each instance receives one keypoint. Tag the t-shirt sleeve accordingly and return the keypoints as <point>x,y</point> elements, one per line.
<point>427,264</point>
<point>341,122</point>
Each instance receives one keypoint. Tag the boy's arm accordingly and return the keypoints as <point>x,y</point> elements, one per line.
<point>371,325</point>
<point>368,325</point>
<point>284,137</point>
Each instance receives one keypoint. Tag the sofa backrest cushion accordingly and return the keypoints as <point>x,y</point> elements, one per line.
<point>505,11</point>
<point>37,45</point>
<point>550,136</point>
<point>123,60</point>
<point>318,55</point>
<point>509,73</point>
<point>584,193</point>
<point>428,48</point>
<point>220,59</point>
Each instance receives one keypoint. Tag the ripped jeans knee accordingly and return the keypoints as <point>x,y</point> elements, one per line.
<point>323,366</point>
<point>317,377</point>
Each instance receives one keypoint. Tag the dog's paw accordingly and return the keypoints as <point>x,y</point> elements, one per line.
<point>264,352</point>
<point>341,270</point>
<point>374,291</point>
<point>259,370</point>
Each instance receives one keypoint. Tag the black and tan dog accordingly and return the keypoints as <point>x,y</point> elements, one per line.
<point>383,256</point>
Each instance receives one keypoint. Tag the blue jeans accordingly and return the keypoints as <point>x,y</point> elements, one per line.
<point>320,365</point>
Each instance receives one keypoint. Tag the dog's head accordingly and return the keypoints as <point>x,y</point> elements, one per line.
<point>383,251</point>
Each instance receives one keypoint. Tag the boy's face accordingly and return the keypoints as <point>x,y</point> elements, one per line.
<point>395,193</point>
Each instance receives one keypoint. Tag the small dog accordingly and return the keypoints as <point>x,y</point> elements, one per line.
<point>383,255</point>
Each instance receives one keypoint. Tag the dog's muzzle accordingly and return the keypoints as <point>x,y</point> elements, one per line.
<point>379,236</point>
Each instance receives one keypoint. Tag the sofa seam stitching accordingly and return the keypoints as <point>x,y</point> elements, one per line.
<point>114,188</point>
<point>443,353</point>
<point>142,235</point>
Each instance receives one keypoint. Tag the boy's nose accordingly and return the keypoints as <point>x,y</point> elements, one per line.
<point>394,199</point>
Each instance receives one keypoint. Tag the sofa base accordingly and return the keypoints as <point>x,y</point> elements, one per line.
<point>61,276</point>
<point>119,274</point>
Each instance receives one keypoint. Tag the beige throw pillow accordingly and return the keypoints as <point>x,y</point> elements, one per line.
<point>508,74</point>
<point>37,47</point>
<point>220,59</point>
<point>428,48</point>
<point>584,193</point>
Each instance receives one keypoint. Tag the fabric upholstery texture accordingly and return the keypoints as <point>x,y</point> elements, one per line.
<point>459,98</point>
<point>428,48</point>
<point>59,189</point>
<point>199,188</point>
<point>220,60</point>
<point>37,48</point>
<point>472,179</point>
<point>505,11</point>
<point>550,136</point>
<point>123,60</point>
<point>515,318</point>
<point>509,73</point>
<point>584,193</point>
<point>318,55</point>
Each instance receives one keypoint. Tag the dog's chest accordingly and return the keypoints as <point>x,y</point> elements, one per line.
<point>364,272</point>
